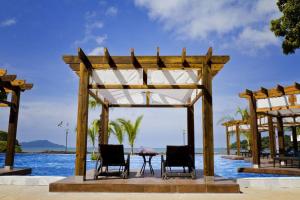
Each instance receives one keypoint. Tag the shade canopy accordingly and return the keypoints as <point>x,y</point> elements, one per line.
<point>279,101</point>
<point>146,80</point>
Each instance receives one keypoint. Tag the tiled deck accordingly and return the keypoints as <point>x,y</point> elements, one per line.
<point>146,183</point>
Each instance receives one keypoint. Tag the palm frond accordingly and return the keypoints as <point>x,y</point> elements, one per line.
<point>117,130</point>
<point>225,118</point>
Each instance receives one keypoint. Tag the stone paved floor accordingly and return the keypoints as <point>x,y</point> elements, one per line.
<point>9,192</point>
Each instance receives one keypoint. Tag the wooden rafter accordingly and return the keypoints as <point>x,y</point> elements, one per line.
<point>83,58</point>
<point>157,62</point>
<point>3,72</point>
<point>148,106</point>
<point>147,62</point>
<point>118,86</point>
<point>278,91</point>
<point>8,77</point>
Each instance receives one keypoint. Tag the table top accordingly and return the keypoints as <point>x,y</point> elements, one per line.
<point>147,154</point>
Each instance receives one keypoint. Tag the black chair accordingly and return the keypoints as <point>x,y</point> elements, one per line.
<point>177,156</point>
<point>112,155</point>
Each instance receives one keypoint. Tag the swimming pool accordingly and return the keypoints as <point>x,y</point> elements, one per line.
<point>63,165</point>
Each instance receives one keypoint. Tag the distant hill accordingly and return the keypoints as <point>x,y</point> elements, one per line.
<point>43,144</point>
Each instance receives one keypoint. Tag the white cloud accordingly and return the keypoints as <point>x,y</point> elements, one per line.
<point>251,39</point>
<point>206,19</point>
<point>100,39</point>
<point>111,11</point>
<point>8,22</point>
<point>96,51</point>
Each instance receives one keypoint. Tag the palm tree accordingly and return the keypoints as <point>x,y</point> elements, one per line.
<point>244,114</point>
<point>93,104</point>
<point>93,131</point>
<point>118,130</point>
<point>131,129</point>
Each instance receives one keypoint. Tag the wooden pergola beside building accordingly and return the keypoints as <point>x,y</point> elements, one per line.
<point>146,81</point>
<point>9,85</point>
<point>280,105</point>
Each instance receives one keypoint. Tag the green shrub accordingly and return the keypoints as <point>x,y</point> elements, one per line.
<point>3,144</point>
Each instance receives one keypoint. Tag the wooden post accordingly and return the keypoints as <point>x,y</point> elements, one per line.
<point>191,131</point>
<point>254,132</point>
<point>238,140</point>
<point>280,136</point>
<point>295,142</point>
<point>12,129</point>
<point>104,122</point>
<point>227,141</point>
<point>272,143</point>
<point>82,122</point>
<point>207,120</point>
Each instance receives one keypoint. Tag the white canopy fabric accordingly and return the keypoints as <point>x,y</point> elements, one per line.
<point>284,102</point>
<point>154,77</point>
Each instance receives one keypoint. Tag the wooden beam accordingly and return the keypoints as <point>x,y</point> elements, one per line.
<point>191,131</point>
<point>295,142</point>
<point>83,58</point>
<point>3,72</point>
<point>148,62</point>
<point>297,85</point>
<point>274,92</point>
<point>8,77</point>
<point>227,141</point>
<point>27,86</point>
<point>147,97</point>
<point>137,65</point>
<point>98,99</point>
<point>254,132</point>
<point>109,59</point>
<point>264,90</point>
<point>207,119</point>
<point>158,60</point>
<point>183,56</point>
<point>118,86</point>
<point>104,123</point>
<point>7,103</point>
<point>280,89</point>
<point>3,105</point>
<point>196,98</point>
<point>148,106</point>
<point>238,140</point>
<point>12,129</point>
<point>82,122</point>
<point>272,140</point>
<point>280,133</point>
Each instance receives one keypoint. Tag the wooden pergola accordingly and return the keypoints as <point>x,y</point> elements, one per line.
<point>146,81</point>
<point>10,85</point>
<point>238,126</point>
<point>280,105</point>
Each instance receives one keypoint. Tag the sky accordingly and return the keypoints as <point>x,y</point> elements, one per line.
<point>34,35</point>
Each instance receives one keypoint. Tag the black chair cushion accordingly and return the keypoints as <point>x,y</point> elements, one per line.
<point>178,156</point>
<point>112,155</point>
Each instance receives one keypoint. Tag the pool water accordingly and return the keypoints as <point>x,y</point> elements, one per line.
<point>63,165</point>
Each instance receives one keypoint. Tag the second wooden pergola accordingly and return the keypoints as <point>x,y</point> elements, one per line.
<point>146,81</point>
<point>279,104</point>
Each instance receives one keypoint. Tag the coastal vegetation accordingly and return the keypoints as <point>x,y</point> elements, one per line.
<point>264,143</point>
<point>3,143</point>
<point>131,128</point>
<point>118,128</point>
<point>244,115</point>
